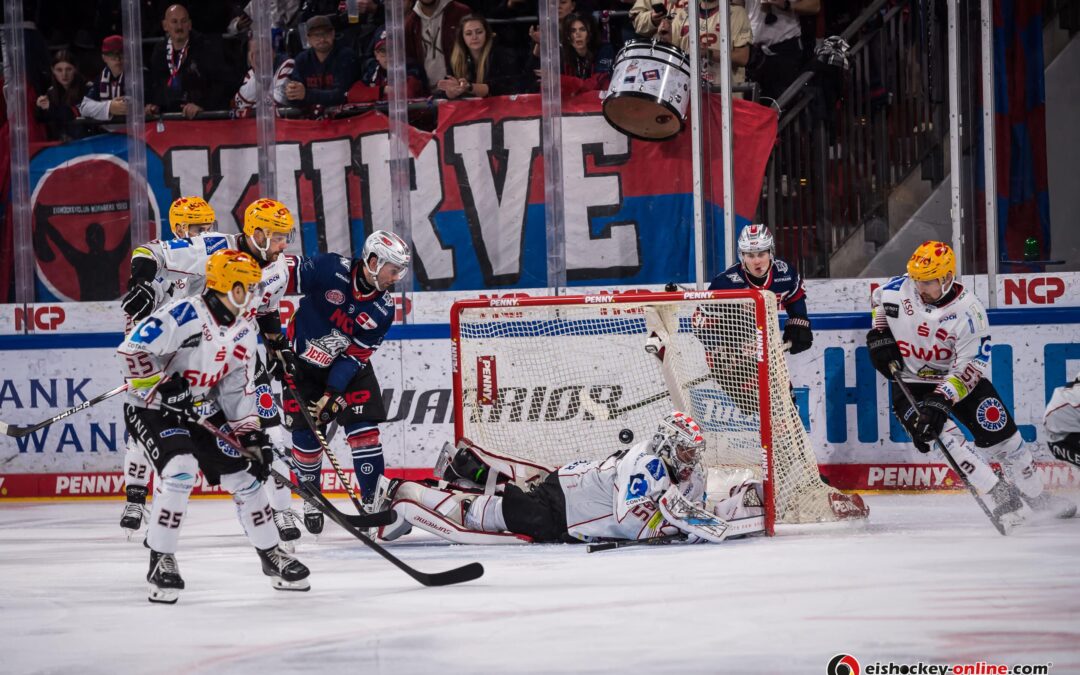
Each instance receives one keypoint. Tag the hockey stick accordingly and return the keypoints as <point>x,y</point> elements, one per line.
<point>623,543</point>
<point>894,368</point>
<point>457,575</point>
<point>375,519</point>
<point>16,431</point>
<point>290,367</point>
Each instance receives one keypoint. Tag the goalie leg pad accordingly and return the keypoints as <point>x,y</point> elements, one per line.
<point>743,510</point>
<point>471,463</point>
<point>438,524</point>
<point>485,514</point>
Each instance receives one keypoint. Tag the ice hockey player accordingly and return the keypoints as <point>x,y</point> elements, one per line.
<point>193,359</point>
<point>936,331</point>
<point>149,287</point>
<point>344,312</point>
<point>1062,422</point>
<point>759,268</point>
<point>267,231</point>
<point>654,488</point>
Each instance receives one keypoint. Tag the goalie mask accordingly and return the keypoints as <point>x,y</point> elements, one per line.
<point>678,441</point>
<point>391,252</point>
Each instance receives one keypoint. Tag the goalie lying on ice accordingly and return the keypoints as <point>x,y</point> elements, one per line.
<point>654,488</point>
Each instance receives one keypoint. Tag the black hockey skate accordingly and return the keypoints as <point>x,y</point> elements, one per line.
<point>1008,507</point>
<point>164,578</point>
<point>286,572</point>
<point>134,509</point>
<point>1047,504</point>
<point>313,519</point>
<point>287,527</point>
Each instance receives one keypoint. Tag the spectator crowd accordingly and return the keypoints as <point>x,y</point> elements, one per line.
<point>198,54</point>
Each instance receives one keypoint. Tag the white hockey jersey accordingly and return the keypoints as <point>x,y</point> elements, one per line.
<point>187,258</point>
<point>168,284</point>
<point>1062,415</point>
<point>183,338</point>
<point>950,342</point>
<point>615,498</point>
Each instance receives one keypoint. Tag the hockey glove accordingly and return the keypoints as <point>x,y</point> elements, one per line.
<point>327,407</point>
<point>257,448</point>
<point>176,400</point>
<point>933,413</point>
<point>278,361</point>
<point>883,351</point>
<point>797,332</point>
<point>1067,449</point>
<point>139,301</point>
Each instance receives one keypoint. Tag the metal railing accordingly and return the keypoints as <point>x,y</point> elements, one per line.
<point>832,168</point>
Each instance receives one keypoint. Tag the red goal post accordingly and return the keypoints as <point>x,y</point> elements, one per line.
<point>555,379</point>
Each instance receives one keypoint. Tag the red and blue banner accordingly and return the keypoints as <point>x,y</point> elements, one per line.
<point>477,197</point>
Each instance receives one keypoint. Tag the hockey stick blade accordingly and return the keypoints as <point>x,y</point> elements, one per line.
<point>16,431</point>
<point>319,501</point>
<point>624,543</point>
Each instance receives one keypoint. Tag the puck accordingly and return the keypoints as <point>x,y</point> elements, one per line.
<point>626,436</point>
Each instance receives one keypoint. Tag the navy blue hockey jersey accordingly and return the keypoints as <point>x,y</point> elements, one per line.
<point>783,280</point>
<point>334,327</point>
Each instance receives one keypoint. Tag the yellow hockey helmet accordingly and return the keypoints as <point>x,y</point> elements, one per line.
<point>269,215</point>
<point>188,211</point>
<point>932,260</point>
<point>229,267</point>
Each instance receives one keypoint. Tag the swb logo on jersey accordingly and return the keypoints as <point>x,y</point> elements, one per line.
<point>991,415</point>
<point>264,402</point>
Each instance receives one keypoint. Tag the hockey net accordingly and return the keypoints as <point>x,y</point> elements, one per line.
<point>556,379</point>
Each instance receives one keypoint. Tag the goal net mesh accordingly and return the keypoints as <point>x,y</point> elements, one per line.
<point>557,379</point>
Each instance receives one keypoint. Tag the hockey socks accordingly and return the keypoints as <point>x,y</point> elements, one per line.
<point>368,463</point>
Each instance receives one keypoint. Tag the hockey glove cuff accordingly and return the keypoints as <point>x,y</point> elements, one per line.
<point>139,301</point>
<point>256,447</point>
<point>175,399</point>
<point>933,413</point>
<point>327,407</point>
<point>883,351</point>
<point>797,332</point>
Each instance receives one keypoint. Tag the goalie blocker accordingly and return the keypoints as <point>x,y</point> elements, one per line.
<point>652,489</point>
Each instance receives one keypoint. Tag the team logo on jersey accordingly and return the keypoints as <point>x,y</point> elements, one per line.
<point>991,415</point>
<point>656,468</point>
<point>637,488</point>
<point>366,322</point>
<point>335,297</point>
<point>264,402</point>
<point>147,331</point>
<point>322,351</point>
<point>226,448</point>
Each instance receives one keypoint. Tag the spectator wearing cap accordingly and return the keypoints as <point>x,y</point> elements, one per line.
<point>187,71</point>
<point>105,99</point>
<point>324,71</point>
<point>430,31</point>
<point>372,84</point>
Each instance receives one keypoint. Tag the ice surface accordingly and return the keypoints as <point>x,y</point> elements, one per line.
<point>927,579</point>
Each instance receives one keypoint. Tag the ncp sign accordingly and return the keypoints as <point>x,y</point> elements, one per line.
<point>42,317</point>
<point>1033,290</point>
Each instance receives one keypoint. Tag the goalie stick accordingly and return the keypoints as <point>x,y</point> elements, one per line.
<point>1000,526</point>
<point>457,575</point>
<point>623,543</point>
<point>17,431</point>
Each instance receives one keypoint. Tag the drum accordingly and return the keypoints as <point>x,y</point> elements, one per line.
<point>649,91</point>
